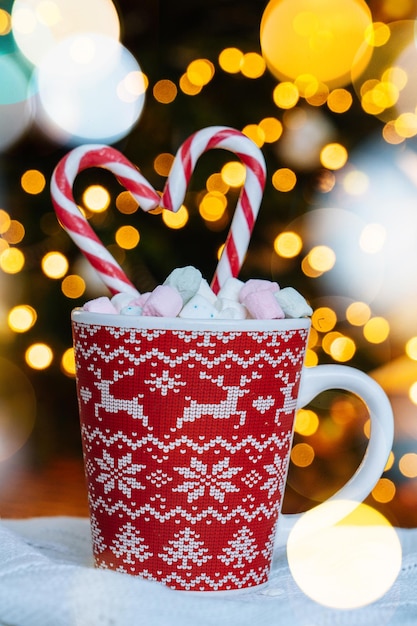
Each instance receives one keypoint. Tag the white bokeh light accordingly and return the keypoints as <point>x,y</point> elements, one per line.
<point>39,25</point>
<point>88,88</point>
<point>15,107</point>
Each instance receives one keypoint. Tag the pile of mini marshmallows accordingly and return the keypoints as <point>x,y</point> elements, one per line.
<point>186,294</point>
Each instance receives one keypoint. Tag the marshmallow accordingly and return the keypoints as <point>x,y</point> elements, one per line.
<point>263,305</point>
<point>100,305</point>
<point>121,300</point>
<point>293,303</point>
<point>164,301</point>
<point>186,280</point>
<point>131,310</point>
<point>199,308</point>
<point>255,285</point>
<point>206,291</point>
<point>231,289</point>
<point>141,299</point>
<point>230,309</point>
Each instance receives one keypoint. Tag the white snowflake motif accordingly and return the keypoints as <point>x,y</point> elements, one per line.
<point>121,473</point>
<point>275,480</point>
<point>165,382</point>
<point>198,479</point>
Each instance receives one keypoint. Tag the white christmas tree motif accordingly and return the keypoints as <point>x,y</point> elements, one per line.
<point>199,478</point>
<point>185,549</point>
<point>275,480</point>
<point>130,544</point>
<point>121,473</point>
<point>241,550</point>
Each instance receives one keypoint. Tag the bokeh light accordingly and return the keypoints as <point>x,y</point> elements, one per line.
<point>300,37</point>
<point>344,555</point>
<point>21,318</point>
<point>33,182</point>
<point>89,88</point>
<point>39,25</point>
<point>16,105</point>
<point>39,356</point>
<point>96,198</point>
<point>54,264</point>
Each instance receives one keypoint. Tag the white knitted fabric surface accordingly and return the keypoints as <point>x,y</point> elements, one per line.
<point>47,579</point>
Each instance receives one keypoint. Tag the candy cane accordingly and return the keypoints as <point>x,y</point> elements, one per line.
<point>77,225</point>
<point>249,200</point>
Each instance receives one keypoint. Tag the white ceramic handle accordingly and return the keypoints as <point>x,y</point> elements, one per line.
<point>314,380</point>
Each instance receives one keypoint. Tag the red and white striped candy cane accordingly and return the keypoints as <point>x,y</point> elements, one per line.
<point>77,225</point>
<point>249,201</point>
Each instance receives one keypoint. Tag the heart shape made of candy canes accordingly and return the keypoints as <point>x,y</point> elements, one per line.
<point>173,195</point>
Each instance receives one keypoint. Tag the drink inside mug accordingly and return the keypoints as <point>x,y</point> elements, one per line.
<point>187,428</point>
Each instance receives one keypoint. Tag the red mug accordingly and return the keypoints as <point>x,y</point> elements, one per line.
<point>187,428</point>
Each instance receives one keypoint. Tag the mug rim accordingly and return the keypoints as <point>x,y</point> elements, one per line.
<point>145,322</point>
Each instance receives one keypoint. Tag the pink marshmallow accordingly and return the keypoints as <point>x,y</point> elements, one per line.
<point>254,285</point>
<point>100,305</point>
<point>164,301</point>
<point>263,305</point>
<point>141,299</point>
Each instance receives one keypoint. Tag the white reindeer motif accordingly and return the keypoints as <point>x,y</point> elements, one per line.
<point>110,404</point>
<point>221,410</point>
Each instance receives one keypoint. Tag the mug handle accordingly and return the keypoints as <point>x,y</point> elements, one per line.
<point>320,378</point>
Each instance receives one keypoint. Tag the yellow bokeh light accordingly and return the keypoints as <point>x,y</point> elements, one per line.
<point>408,465</point>
<point>163,163</point>
<point>126,203</point>
<point>175,220</point>
<point>284,179</point>
<point>303,37</point>
<point>39,356</point>
<point>377,34</point>
<point>252,65</point>
<point>234,173</point>
<point>288,244</point>
<point>215,182</point>
<point>188,87</point>
<point>308,270</point>
<point>255,133</point>
<point>358,313</point>
<point>322,258</point>
<point>376,330</point>
<point>412,393</point>
<point>165,91</point>
<point>5,22</point>
<point>344,555</point>
<point>5,221</point>
<point>286,95</point>
<point>302,454</point>
<point>390,134</point>
<point>333,156</point>
<point>390,462</point>
<point>411,348</point>
<point>339,100</point>
<point>33,182</point>
<point>272,129</point>
<point>306,422</point>
<point>311,358</point>
<point>212,206</point>
<point>324,319</point>
<point>406,125</point>
<point>96,198</point>
<point>127,237</point>
<point>230,60</point>
<point>12,260</point>
<point>15,233</point>
<point>313,338</point>
<point>384,490</point>
<point>327,340</point>
<point>54,265</point>
<point>73,286</point>
<point>342,349</point>
<point>356,183</point>
<point>200,72</point>
<point>21,318</point>
<point>68,362</point>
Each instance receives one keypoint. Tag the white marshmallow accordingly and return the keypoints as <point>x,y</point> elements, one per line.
<point>186,280</point>
<point>206,291</point>
<point>231,288</point>
<point>293,303</point>
<point>198,308</point>
<point>121,300</point>
<point>234,309</point>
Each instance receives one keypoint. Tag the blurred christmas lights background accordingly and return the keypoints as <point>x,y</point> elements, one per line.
<point>329,96</point>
